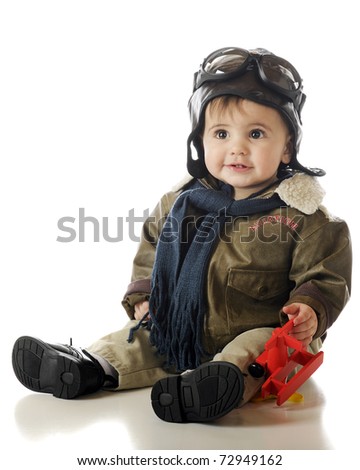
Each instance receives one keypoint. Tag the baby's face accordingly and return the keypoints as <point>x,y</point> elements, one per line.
<point>244,145</point>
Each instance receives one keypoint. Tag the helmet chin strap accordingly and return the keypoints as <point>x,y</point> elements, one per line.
<point>196,167</point>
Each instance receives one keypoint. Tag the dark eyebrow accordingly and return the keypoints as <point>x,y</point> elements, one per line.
<point>260,124</point>
<point>218,125</point>
<point>252,125</point>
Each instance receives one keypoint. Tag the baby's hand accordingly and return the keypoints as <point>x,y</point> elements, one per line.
<point>305,322</point>
<point>140,309</point>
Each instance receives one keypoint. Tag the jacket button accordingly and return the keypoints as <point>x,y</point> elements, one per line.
<point>262,290</point>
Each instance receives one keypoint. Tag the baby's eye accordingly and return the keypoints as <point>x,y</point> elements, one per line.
<point>221,134</point>
<point>256,134</point>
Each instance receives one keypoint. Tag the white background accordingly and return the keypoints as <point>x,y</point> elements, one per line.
<point>93,114</point>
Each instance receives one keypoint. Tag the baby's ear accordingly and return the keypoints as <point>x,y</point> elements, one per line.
<point>288,150</point>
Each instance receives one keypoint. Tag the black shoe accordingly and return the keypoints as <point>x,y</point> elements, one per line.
<point>62,370</point>
<point>204,394</point>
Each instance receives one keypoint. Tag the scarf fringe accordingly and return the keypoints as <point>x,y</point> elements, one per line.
<point>177,333</point>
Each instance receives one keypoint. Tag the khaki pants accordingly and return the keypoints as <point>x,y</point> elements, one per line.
<point>139,365</point>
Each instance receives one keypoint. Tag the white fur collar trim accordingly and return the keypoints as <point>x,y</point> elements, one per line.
<point>302,192</point>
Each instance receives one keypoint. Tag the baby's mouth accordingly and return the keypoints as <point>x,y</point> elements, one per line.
<point>237,166</point>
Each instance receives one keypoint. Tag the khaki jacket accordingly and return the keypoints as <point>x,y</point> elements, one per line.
<point>298,253</point>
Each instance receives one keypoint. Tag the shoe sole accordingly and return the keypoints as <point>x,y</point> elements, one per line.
<point>41,368</point>
<point>204,394</point>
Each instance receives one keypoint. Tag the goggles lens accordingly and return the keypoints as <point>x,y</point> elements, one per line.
<point>280,72</point>
<point>231,62</point>
<point>225,63</point>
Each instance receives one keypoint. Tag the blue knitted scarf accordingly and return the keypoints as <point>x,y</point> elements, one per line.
<point>178,291</point>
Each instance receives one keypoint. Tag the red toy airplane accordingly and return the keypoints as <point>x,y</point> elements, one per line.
<point>277,361</point>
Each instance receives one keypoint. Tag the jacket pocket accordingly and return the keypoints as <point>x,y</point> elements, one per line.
<point>254,298</point>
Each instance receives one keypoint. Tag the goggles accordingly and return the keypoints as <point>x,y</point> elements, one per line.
<point>275,73</point>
